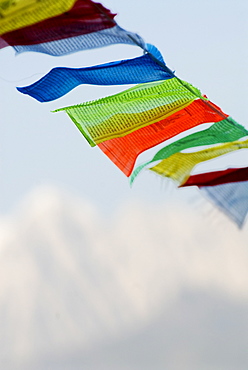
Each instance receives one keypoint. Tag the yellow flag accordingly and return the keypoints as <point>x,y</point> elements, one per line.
<point>16,14</point>
<point>179,166</point>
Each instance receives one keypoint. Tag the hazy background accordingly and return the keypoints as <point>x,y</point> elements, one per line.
<point>93,274</point>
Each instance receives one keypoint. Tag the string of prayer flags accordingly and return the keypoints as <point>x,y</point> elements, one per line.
<point>61,80</point>
<point>159,106</point>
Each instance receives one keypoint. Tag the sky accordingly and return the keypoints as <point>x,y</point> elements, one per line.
<point>95,274</point>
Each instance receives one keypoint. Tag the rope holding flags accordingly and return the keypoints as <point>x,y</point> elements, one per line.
<point>158,108</point>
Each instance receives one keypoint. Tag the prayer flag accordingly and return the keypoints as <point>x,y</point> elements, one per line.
<point>230,198</point>
<point>218,177</point>
<point>59,81</point>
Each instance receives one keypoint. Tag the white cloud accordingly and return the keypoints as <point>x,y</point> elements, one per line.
<point>70,278</point>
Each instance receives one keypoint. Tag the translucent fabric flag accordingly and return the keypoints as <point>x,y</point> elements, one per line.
<point>22,13</point>
<point>231,198</point>
<point>123,113</point>
<point>218,177</point>
<point>114,35</point>
<point>179,166</point>
<point>221,132</point>
<point>84,17</point>
<point>123,151</point>
<point>59,81</point>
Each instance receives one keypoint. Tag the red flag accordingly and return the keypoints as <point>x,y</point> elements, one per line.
<point>218,177</point>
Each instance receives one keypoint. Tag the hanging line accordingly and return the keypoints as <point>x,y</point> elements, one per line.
<point>22,79</point>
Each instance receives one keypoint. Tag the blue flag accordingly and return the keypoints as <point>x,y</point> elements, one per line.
<point>59,81</point>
